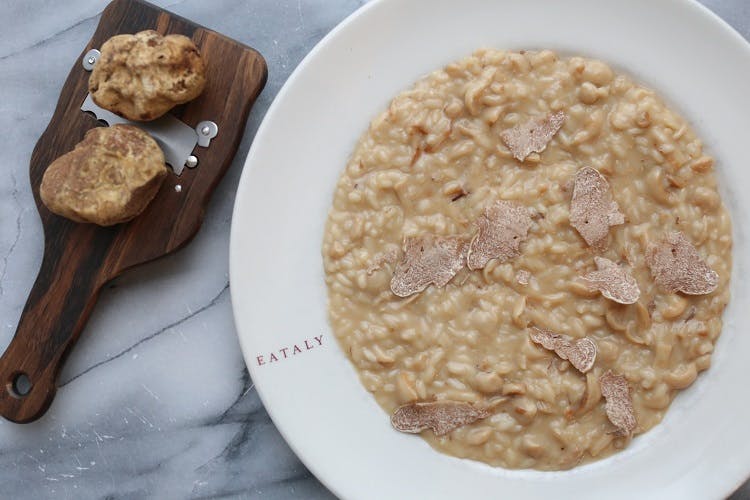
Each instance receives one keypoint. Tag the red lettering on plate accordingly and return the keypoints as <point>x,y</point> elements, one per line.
<point>272,357</point>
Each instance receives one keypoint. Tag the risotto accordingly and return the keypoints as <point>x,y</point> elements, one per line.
<point>557,346</point>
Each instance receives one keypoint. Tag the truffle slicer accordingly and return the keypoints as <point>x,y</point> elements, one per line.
<point>79,259</point>
<point>176,139</point>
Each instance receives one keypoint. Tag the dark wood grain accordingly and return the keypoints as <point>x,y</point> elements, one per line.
<point>80,258</point>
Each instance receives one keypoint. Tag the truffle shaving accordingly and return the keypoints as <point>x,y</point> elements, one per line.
<point>428,260</point>
<point>440,416</point>
<point>581,353</point>
<point>533,135</point>
<point>502,228</point>
<point>614,282</point>
<point>619,405</point>
<point>592,209</point>
<point>677,266</point>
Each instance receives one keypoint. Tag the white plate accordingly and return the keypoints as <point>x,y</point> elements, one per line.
<point>687,54</point>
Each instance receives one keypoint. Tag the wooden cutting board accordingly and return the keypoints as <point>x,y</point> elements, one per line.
<point>80,258</point>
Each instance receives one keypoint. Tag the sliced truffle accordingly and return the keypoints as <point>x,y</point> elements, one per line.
<point>592,209</point>
<point>502,228</point>
<point>677,266</point>
<point>581,353</point>
<point>428,260</point>
<point>533,135</point>
<point>389,256</point>
<point>440,416</point>
<point>619,404</point>
<point>615,282</point>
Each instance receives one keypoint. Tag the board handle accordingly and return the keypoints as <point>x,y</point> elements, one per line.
<point>56,311</point>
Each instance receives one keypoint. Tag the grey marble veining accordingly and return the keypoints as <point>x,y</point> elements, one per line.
<point>155,401</point>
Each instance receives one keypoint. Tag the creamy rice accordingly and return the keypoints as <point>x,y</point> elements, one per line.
<point>431,163</point>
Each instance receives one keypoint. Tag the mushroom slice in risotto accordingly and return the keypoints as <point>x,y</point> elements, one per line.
<point>614,282</point>
<point>581,353</point>
<point>502,228</point>
<point>677,266</point>
<point>428,260</point>
<point>592,209</point>
<point>440,416</point>
<point>533,135</point>
<point>619,404</point>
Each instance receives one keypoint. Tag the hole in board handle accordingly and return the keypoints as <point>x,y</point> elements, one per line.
<point>20,385</point>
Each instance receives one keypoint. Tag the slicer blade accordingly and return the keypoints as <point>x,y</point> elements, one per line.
<point>176,139</point>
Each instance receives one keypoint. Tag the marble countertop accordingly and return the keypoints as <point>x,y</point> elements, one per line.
<point>155,401</point>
